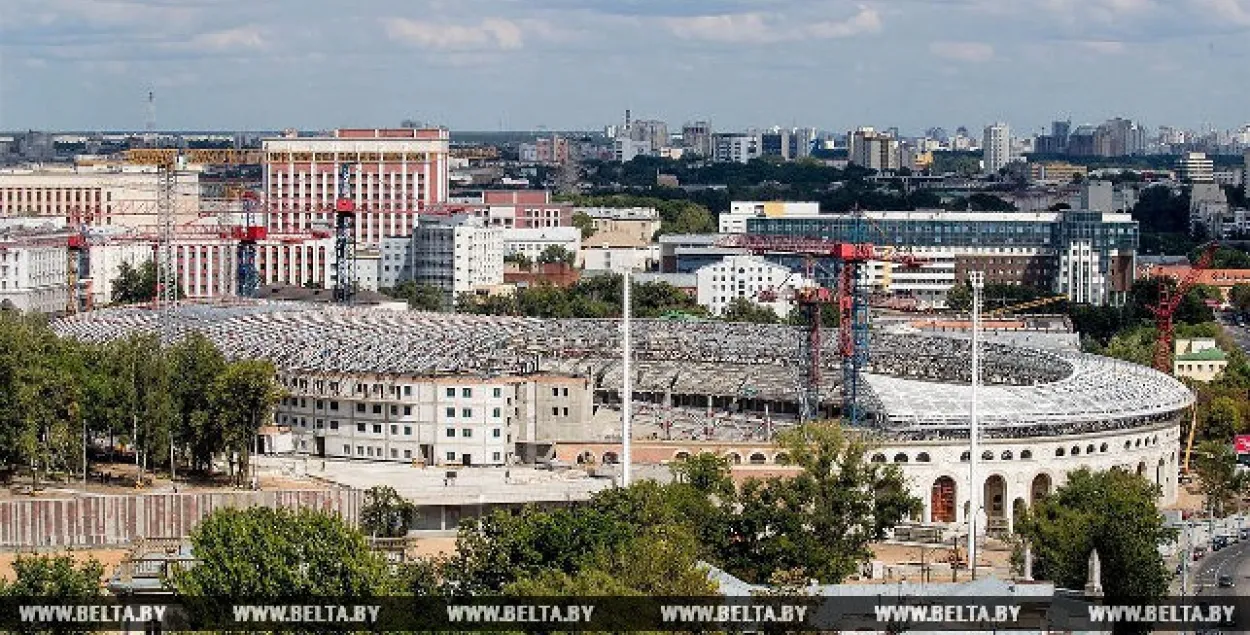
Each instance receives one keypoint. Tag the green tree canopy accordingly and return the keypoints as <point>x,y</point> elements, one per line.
<point>1114,512</point>
<point>585,223</point>
<point>744,310</point>
<point>556,254</point>
<point>420,296</point>
<point>259,552</point>
<point>1223,484</point>
<point>385,513</point>
<point>54,576</point>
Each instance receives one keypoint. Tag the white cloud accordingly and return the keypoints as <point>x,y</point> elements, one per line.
<point>756,28</point>
<point>1104,47</point>
<point>963,51</point>
<point>1235,11</point>
<point>248,37</point>
<point>491,33</point>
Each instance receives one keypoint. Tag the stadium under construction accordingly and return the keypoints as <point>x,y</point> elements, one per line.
<point>439,389</point>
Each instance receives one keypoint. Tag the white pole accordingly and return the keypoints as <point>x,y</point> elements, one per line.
<point>627,390</point>
<point>977,279</point>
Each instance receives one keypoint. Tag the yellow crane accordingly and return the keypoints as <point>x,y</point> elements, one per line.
<point>1025,306</point>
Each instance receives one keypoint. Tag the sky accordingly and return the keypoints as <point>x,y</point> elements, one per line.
<point>578,64</point>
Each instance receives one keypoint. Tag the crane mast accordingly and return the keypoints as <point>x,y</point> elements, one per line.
<point>345,239</point>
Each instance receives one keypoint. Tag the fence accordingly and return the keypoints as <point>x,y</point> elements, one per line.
<point>102,521</point>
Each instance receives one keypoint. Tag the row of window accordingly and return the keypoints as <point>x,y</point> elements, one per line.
<point>467,433</point>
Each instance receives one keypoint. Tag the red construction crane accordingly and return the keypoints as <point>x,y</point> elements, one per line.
<point>851,298</point>
<point>1170,299</point>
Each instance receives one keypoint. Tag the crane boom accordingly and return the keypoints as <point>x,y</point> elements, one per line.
<point>1170,300</point>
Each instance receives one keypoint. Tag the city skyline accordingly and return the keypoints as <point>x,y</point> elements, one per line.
<point>492,64</point>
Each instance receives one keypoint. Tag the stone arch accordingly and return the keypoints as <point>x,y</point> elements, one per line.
<point>995,497</point>
<point>758,458</point>
<point>681,455</point>
<point>1128,445</point>
<point>878,458</point>
<point>610,458</point>
<point>900,457</point>
<point>1075,451</point>
<point>1102,448</point>
<point>1089,449</point>
<point>923,457</point>
<point>1059,452</point>
<point>942,500</point>
<point>586,457</point>
<point>987,455</point>
<point>1040,486</point>
<point>1007,455</point>
<point>966,456</point>
<point>1026,455</point>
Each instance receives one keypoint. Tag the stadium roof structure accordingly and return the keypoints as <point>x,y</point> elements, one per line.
<point>916,383</point>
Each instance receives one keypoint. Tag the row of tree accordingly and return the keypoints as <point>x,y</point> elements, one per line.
<point>57,394</point>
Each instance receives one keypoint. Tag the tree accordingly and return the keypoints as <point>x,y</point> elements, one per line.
<point>244,396</point>
<point>519,259</point>
<point>959,297</point>
<point>1222,483</point>
<point>823,519</point>
<point>1222,420</point>
<point>196,363</point>
<point>265,553</point>
<point>707,473</point>
<point>556,254</point>
<point>1114,512</point>
<point>420,296</point>
<point>585,223</point>
<point>385,513</point>
<point>54,576</point>
<point>137,284</point>
<point>744,310</point>
<point>1239,297</point>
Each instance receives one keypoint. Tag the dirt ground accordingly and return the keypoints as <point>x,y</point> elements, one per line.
<point>119,478</point>
<point>110,558</point>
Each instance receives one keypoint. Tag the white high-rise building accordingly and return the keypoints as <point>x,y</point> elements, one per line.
<point>34,266</point>
<point>996,147</point>
<point>458,254</point>
<point>749,277</point>
<point>871,149</point>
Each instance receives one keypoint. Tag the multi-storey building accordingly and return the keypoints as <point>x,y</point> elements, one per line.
<point>1195,167</point>
<point>458,254</point>
<point>452,420</point>
<point>639,222</point>
<point>776,143</point>
<point>395,174</point>
<point>735,220</point>
<point>652,134</point>
<point>34,266</point>
<point>751,278</point>
<point>1057,172</point>
<point>736,147</point>
<point>508,209</point>
<point>98,196</point>
<point>103,264</point>
<point>873,150</point>
<point>996,147</point>
<point>697,138</point>
<point>1087,255</point>
<point>532,242</point>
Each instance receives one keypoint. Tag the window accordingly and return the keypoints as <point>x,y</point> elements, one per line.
<point>451,392</point>
<point>407,431</point>
<point>360,427</point>
<point>451,433</point>
<point>451,456</point>
<point>377,408</point>
<point>466,412</point>
<point>407,454</point>
<point>466,433</point>
<point>407,391</point>
<point>360,450</point>
<point>347,450</point>
<point>496,413</point>
<point>555,392</point>
<point>566,392</point>
<point>320,404</point>
<point>466,392</point>
<point>334,405</point>
<point>334,425</point>
<point>566,412</point>
<point>377,428</point>
<point>451,412</point>
<point>555,412</point>
<point>394,410</point>
<point>369,451</point>
<point>497,393</point>
<point>407,410</point>
<point>495,456</point>
<point>495,433</point>
<point>360,407</point>
<point>394,453</point>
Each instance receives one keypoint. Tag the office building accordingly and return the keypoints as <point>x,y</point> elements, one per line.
<point>750,278</point>
<point>652,134</point>
<point>996,147</point>
<point>736,147</point>
<point>735,220</point>
<point>639,223</point>
<point>775,143</point>
<point>1195,167</point>
<point>100,196</point>
<point>625,149</point>
<point>458,254</point>
<point>509,209</point>
<point>696,138</point>
<point>873,150</point>
<point>395,174</point>
<point>34,266</point>
<point>532,242</point>
<point>1087,255</point>
<point>1056,172</point>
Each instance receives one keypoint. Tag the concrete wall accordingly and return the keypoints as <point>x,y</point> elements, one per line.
<point>118,520</point>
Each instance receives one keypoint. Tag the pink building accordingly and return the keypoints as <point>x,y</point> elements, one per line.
<point>514,209</point>
<point>396,174</point>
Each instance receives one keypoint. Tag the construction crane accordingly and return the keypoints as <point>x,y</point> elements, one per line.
<point>1025,306</point>
<point>1170,299</point>
<point>248,235</point>
<point>345,239</point>
<point>850,299</point>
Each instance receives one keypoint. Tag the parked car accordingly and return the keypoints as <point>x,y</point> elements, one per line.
<point>1225,581</point>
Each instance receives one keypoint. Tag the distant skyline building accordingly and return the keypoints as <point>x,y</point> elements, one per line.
<point>1195,167</point>
<point>873,150</point>
<point>996,147</point>
<point>697,138</point>
<point>736,147</point>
